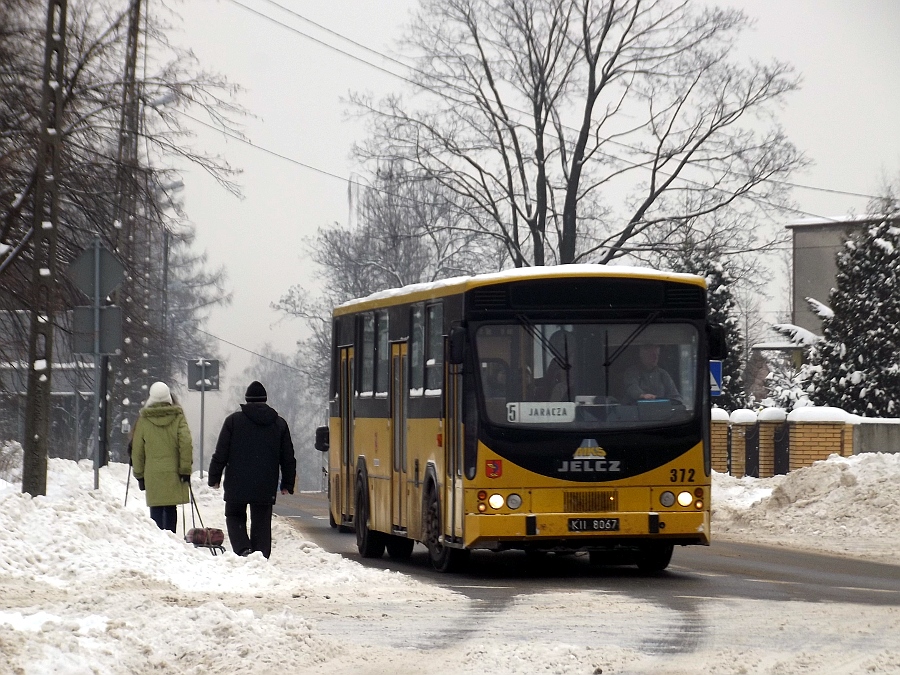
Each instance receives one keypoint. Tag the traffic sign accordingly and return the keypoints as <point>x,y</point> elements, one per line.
<point>715,378</point>
<point>203,375</point>
<point>110,329</point>
<point>83,271</point>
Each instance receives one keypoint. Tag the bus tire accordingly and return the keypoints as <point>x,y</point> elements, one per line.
<point>369,543</point>
<point>399,548</point>
<point>443,558</point>
<point>331,520</point>
<point>655,557</point>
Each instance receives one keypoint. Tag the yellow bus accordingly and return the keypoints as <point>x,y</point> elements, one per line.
<point>505,411</point>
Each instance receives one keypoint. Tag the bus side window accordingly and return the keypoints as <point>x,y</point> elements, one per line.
<point>382,354</point>
<point>367,362</point>
<point>434,355</point>
<point>417,352</point>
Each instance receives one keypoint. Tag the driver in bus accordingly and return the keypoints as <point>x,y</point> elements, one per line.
<point>647,381</point>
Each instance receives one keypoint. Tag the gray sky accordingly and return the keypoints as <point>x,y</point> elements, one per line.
<point>844,119</point>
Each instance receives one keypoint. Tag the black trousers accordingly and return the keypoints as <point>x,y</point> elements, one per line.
<point>166,517</point>
<point>260,535</point>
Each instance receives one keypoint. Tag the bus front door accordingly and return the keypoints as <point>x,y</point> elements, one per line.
<point>453,449</point>
<point>398,437</point>
<point>345,489</point>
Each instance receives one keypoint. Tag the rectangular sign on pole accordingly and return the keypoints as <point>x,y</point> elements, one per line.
<point>97,272</point>
<point>715,378</point>
<point>110,329</point>
<point>203,376</point>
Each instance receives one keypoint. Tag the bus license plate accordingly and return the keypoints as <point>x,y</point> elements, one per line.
<point>593,524</point>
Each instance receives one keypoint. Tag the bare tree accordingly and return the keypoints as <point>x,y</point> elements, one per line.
<point>152,243</point>
<point>567,129</point>
<point>409,231</point>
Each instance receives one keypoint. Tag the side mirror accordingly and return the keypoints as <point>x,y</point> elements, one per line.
<point>322,439</point>
<point>718,347</point>
<point>457,345</point>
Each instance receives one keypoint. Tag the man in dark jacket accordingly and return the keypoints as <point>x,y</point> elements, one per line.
<point>254,444</point>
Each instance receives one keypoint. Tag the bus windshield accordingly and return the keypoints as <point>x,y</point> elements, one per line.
<point>588,375</point>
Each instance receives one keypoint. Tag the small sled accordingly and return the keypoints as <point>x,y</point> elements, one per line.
<point>210,538</point>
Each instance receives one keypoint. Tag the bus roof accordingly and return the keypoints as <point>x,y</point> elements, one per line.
<point>452,286</point>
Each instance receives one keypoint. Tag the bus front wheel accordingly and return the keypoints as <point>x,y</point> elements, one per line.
<point>369,543</point>
<point>655,557</point>
<point>443,558</point>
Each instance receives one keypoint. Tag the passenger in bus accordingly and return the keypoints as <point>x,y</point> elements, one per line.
<point>255,442</point>
<point>647,381</point>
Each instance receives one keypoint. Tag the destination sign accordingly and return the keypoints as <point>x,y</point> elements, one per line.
<point>540,413</point>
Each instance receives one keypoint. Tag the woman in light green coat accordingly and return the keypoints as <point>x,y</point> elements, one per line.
<point>162,454</point>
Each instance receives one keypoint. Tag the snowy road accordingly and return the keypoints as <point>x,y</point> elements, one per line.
<point>727,569</point>
<point>718,605</point>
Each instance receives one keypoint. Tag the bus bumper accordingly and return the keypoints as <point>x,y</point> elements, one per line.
<point>500,531</point>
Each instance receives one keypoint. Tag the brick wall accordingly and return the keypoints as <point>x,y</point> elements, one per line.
<point>812,441</point>
<point>719,449</point>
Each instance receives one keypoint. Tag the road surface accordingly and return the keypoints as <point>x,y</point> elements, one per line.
<point>720,571</point>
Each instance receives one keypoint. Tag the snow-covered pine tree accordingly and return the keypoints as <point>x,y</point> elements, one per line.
<point>788,385</point>
<point>855,365</point>
<point>722,310</point>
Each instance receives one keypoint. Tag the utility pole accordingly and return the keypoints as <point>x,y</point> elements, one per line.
<point>44,226</point>
<point>126,245</point>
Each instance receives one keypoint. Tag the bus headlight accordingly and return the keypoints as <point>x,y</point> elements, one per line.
<point>514,501</point>
<point>685,498</point>
<point>667,498</point>
<point>496,501</point>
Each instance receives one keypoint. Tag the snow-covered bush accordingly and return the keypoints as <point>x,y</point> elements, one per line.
<point>11,461</point>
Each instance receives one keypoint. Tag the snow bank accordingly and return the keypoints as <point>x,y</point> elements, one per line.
<point>843,505</point>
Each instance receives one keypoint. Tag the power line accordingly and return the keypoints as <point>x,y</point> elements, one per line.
<point>250,351</point>
<point>454,100</point>
<point>344,179</point>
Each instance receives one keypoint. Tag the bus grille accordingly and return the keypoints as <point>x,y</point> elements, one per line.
<point>684,297</point>
<point>490,297</point>
<point>589,502</point>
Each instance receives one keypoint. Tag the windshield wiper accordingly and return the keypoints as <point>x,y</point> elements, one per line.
<point>536,333</point>
<point>631,338</point>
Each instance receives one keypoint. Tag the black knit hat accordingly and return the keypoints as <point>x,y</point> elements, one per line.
<point>256,393</point>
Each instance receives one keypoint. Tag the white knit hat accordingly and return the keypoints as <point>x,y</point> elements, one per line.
<point>159,393</point>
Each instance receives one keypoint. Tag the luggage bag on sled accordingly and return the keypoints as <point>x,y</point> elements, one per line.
<point>211,538</point>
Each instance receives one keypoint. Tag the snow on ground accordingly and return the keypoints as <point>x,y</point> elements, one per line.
<point>90,585</point>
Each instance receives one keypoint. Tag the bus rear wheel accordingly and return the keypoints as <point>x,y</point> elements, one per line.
<point>369,543</point>
<point>443,558</point>
<point>399,548</point>
<point>655,557</point>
